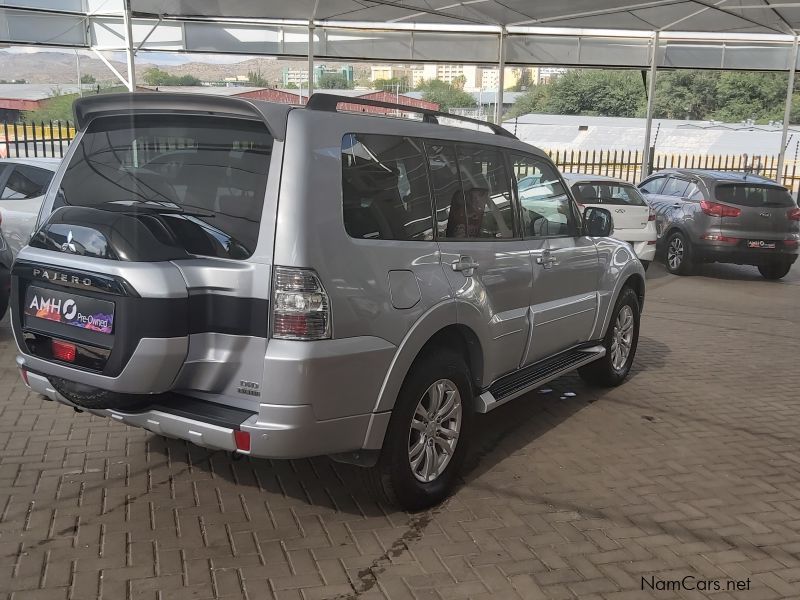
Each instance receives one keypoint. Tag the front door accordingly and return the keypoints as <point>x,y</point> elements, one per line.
<point>486,261</point>
<point>564,300</point>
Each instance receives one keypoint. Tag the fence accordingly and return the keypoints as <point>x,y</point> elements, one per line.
<point>627,164</point>
<point>51,139</point>
<point>43,139</point>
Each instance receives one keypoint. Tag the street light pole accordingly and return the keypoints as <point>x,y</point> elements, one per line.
<point>787,110</point>
<point>651,99</point>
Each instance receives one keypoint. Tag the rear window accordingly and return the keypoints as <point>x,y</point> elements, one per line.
<point>747,194</point>
<point>204,177</point>
<point>26,182</point>
<point>601,192</point>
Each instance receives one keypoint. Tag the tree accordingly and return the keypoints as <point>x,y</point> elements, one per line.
<point>56,108</point>
<point>256,78</point>
<point>333,81</point>
<point>88,79</point>
<point>446,95</point>
<point>155,76</point>
<point>291,85</point>
<point>391,85</point>
<point>537,100</point>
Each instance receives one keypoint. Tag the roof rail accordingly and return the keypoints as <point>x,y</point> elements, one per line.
<point>329,102</point>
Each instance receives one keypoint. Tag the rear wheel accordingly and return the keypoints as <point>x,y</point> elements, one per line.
<point>678,258</point>
<point>428,433</point>
<point>775,270</point>
<point>621,340</point>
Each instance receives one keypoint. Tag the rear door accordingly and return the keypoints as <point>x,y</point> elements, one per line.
<point>565,263</point>
<point>626,204</point>
<point>485,259</point>
<point>763,218</point>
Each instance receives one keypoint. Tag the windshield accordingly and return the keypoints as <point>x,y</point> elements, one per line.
<point>602,192</point>
<point>204,176</point>
<point>748,194</point>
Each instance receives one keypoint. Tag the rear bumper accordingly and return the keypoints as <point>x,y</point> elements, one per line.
<point>725,253</point>
<point>645,251</point>
<point>276,431</point>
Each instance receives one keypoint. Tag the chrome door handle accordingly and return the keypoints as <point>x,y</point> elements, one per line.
<point>465,264</point>
<point>547,260</point>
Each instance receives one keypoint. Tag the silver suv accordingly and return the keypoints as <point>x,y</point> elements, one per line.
<point>289,282</point>
<point>718,216</point>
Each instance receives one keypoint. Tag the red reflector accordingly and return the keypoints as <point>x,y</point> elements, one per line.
<point>651,243</point>
<point>713,237</point>
<point>24,374</point>
<point>793,214</point>
<point>63,350</point>
<point>790,243</point>
<point>715,209</point>
<point>242,440</point>
<point>652,216</point>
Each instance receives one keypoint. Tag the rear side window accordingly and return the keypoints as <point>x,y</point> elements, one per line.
<point>603,192</point>
<point>26,182</point>
<point>385,191</point>
<point>204,177</point>
<point>746,194</point>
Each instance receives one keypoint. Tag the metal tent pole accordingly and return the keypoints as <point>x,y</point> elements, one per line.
<point>651,100</point>
<point>498,117</point>
<point>787,111</point>
<point>129,53</point>
<point>310,58</point>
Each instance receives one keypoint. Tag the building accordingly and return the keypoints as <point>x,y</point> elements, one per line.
<point>547,74</point>
<point>391,72</point>
<point>17,98</point>
<point>294,76</point>
<point>512,76</point>
<point>474,77</point>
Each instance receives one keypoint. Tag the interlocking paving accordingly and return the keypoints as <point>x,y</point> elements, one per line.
<point>691,468</point>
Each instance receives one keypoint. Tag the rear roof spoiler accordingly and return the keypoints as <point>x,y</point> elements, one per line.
<point>272,114</point>
<point>330,103</point>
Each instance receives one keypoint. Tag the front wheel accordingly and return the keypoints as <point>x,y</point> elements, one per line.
<point>679,254</point>
<point>621,340</point>
<point>773,271</point>
<point>426,441</point>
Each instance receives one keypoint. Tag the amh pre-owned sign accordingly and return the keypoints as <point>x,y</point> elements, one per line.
<point>78,311</point>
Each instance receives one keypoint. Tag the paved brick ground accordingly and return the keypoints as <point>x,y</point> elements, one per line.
<point>691,468</point>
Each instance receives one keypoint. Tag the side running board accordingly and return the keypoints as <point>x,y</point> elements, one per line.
<point>520,382</point>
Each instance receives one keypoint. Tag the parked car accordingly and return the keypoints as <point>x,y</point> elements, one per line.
<point>23,182</point>
<point>718,216</point>
<point>5,275</point>
<point>290,282</point>
<point>634,220</point>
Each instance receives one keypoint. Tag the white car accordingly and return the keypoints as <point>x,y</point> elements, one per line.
<point>23,182</point>
<point>634,220</point>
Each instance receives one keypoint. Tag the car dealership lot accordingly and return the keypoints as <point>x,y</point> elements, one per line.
<point>690,468</point>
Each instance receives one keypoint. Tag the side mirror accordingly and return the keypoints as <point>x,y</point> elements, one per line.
<point>598,222</point>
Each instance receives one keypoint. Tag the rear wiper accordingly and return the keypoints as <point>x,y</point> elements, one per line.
<point>160,207</point>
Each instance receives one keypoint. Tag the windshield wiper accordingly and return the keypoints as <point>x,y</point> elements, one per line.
<point>160,207</point>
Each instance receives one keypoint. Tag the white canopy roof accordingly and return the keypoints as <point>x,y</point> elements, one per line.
<point>714,34</point>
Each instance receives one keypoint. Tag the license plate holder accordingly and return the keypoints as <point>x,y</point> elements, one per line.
<point>86,313</point>
<point>762,244</point>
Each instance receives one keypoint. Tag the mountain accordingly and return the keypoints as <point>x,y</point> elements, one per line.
<point>60,67</point>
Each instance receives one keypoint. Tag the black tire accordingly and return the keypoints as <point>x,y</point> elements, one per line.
<point>392,479</point>
<point>93,398</point>
<point>602,372</point>
<point>776,270</point>
<point>645,264</point>
<point>683,262</point>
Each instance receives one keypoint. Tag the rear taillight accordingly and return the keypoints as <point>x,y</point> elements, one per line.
<point>716,209</point>
<point>63,350</point>
<point>652,216</point>
<point>242,439</point>
<point>301,310</point>
<point>793,214</point>
<point>790,243</point>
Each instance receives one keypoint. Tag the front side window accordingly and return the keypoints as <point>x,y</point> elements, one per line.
<point>385,191</point>
<point>653,186</point>
<point>545,206</point>
<point>26,182</point>
<point>604,192</point>
<point>675,187</point>
<point>204,177</point>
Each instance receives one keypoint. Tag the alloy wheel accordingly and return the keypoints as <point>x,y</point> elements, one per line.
<point>675,253</point>
<point>435,428</point>
<point>622,338</point>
